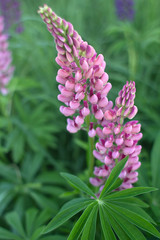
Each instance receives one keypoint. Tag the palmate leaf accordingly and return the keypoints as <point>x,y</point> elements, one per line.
<point>112,206</point>
<point>90,226</point>
<point>106,227</point>
<point>78,184</point>
<point>68,211</point>
<point>137,210</point>
<point>116,226</point>
<point>78,227</point>
<point>132,232</point>
<point>113,177</point>
<point>134,218</point>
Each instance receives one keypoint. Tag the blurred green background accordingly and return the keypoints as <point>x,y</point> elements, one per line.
<point>35,145</point>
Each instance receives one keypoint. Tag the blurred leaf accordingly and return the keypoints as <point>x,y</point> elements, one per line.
<point>81,144</point>
<point>155,162</point>
<point>14,221</point>
<point>5,234</point>
<point>31,216</point>
<point>43,201</point>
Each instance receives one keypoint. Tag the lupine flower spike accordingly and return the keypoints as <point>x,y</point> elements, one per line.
<point>83,81</point>
<point>83,89</point>
<point>6,70</point>
<point>118,140</point>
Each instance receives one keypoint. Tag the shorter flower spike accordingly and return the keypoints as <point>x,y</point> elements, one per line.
<point>125,101</point>
<point>6,70</point>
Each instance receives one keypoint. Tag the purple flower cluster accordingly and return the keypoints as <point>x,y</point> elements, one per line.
<point>125,9</point>
<point>83,89</point>
<point>6,70</point>
<point>10,10</point>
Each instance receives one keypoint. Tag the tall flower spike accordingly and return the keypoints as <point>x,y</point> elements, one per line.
<point>6,70</point>
<point>84,87</point>
<point>118,140</point>
<point>83,83</point>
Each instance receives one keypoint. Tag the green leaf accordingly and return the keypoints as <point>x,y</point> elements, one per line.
<point>31,215</point>
<point>6,199</point>
<point>106,227</point>
<point>43,201</point>
<point>90,226</point>
<point>53,237</point>
<point>116,226</point>
<point>8,173</point>
<point>113,176</point>
<point>78,184</point>
<point>69,210</point>
<point>14,221</point>
<point>18,148</point>
<point>36,160</point>
<point>130,192</point>
<point>78,227</point>
<point>81,144</point>
<point>155,162</point>
<point>37,233</point>
<point>137,210</point>
<point>117,183</point>
<point>50,177</point>
<point>43,217</point>
<point>77,201</point>
<point>5,234</point>
<point>132,201</point>
<point>135,219</point>
<point>132,232</point>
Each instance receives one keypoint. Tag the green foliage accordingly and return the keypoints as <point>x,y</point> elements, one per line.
<point>116,216</point>
<point>34,145</point>
<point>31,229</point>
<point>29,183</point>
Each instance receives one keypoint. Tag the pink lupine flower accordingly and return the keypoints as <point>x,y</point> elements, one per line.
<point>6,70</point>
<point>118,140</point>
<point>83,90</point>
<point>83,82</point>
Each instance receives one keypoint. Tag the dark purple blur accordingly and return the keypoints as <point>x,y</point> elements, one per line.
<point>11,12</point>
<point>125,9</point>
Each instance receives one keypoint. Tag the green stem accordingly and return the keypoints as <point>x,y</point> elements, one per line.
<point>132,58</point>
<point>90,157</point>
